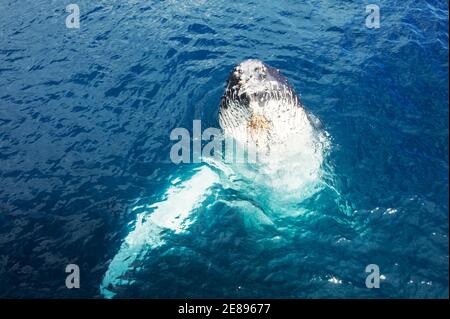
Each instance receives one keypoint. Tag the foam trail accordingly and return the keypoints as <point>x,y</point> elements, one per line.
<point>169,214</point>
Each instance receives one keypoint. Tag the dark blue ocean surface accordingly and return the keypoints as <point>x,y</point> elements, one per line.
<point>85,118</point>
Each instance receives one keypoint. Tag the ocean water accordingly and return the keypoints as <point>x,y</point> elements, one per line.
<point>85,119</point>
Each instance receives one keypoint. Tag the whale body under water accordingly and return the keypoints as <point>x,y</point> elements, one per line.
<point>261,113</point>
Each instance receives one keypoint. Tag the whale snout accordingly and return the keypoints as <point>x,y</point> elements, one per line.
<point>243,82</point>
<point>251,78</point>
<point>253,81</point>
<point>249,70</point>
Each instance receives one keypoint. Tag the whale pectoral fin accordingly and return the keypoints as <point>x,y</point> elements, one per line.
<point>171,214</point>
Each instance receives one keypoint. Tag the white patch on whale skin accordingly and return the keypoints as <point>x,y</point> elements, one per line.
<point>173,214</point>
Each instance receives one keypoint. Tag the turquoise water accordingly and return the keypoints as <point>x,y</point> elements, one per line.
<point>85,118</point>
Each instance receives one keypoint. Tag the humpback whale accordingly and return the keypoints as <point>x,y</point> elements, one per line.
<point>259,110</point>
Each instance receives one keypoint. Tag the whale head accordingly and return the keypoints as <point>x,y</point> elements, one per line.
<point>260,110</point>
<point>259,107</point>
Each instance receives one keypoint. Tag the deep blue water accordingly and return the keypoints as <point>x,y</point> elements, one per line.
<point>85,118</point>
